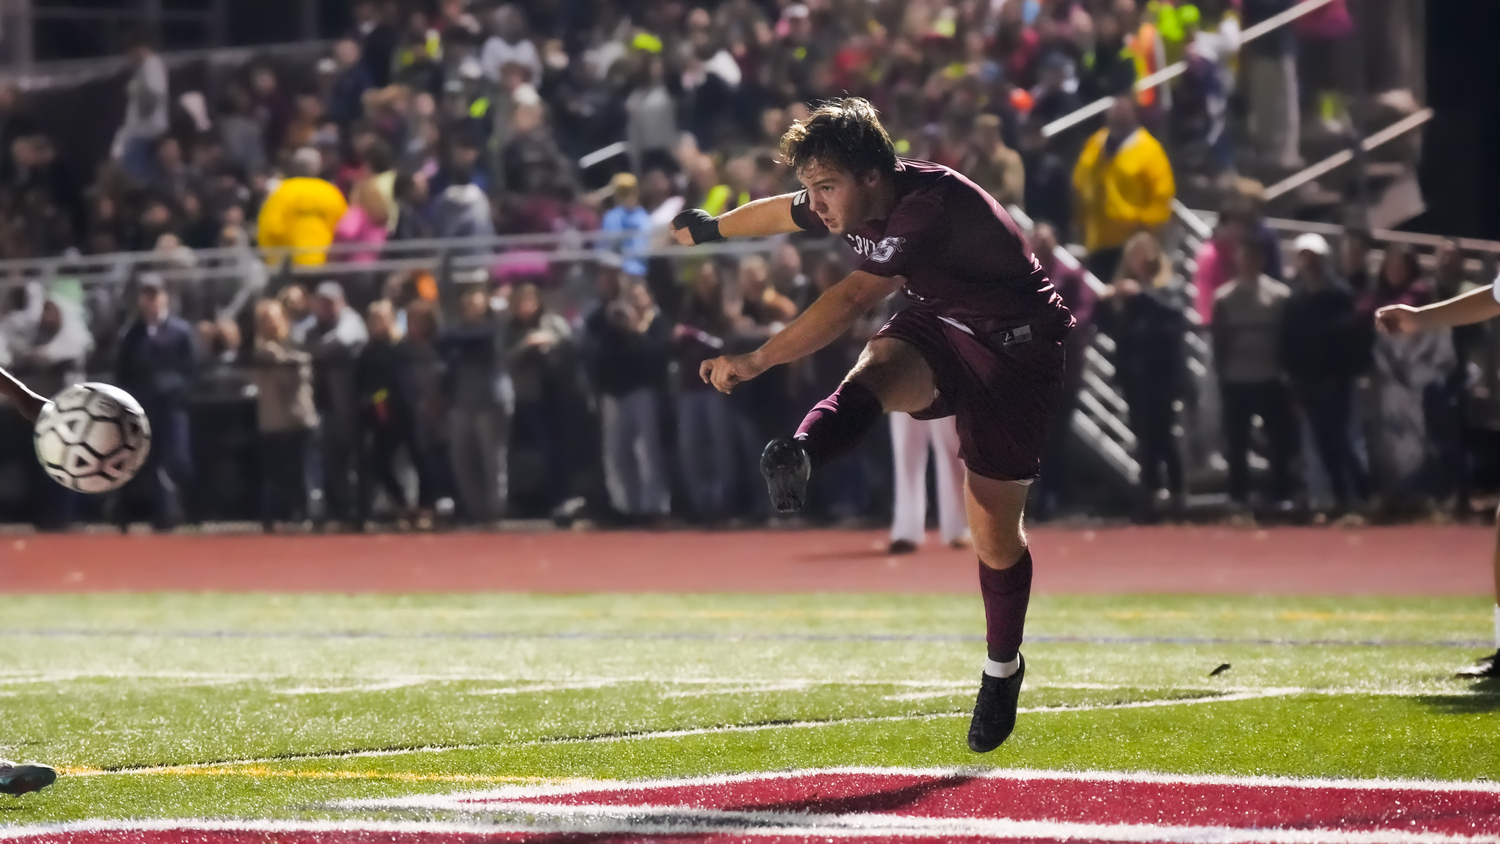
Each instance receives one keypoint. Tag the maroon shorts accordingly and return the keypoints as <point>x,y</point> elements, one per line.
<point>1002,382</point>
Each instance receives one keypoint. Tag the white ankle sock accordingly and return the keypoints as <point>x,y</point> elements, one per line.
<point>1497,627</point>
<point>1005,669</point>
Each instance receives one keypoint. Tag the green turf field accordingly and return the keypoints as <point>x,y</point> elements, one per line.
<point>261,694</point>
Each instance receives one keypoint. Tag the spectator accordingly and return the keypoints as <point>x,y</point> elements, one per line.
<point>1109,67</point>
<point>651,121</point>
<point>270,105</point>
<point>705,434</point>
<point>509,45</point>
<point>463,211</point>
<point>334,335</point>
<point>1049,189</point>
<point>1409,377</point>
<point>626,348</point>
<point>430,411</point>
<point>1142,315</point>
<point>302,213</point>
<point>1326,64</point>
<point>1270,69</point>
<point>1249,320</point>
<point>1124,185</point>
<point>345,102</point>
<point>1056,94</point>
<point>629,216</point>
<point>376,28</point>
<point>531,159</point>
<point>994,166</point>
<point>46,349</point>
<point>387,403</point>
<point>479,416</point>
<point>1320,356</point>
<point>286,417</point>
<point>146,103</point>
<point>1215,262</point>
<point>1052,490</point>
<point>155,363</point>
<point>539,358</point>
<point>243,134</point>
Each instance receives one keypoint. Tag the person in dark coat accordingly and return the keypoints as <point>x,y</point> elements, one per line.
<point>387,409</point>
<point>1320,351</point>
<point>155,364</point>
<point>1149,330</point>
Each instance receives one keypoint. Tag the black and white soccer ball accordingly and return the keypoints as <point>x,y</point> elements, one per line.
<point>92,437</point>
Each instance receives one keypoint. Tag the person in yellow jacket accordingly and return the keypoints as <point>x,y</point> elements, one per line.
<point>302,212</point>
<point>1124,184</point>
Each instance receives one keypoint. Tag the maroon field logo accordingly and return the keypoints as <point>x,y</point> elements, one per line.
<point>881,805</point>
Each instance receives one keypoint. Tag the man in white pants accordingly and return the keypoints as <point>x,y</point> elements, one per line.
<point>910,441</point>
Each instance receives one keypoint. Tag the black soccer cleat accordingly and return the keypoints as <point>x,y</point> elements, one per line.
<point>1487,668</point>
<point>995,710</point>
<point>24,779</point>
<point>786,467</point>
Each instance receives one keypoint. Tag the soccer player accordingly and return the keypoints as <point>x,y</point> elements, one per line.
<point>1475,306</point>
<point>21,779</point>
<point>980,339</point>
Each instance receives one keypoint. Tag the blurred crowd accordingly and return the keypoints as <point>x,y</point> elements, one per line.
<point>541,387</point>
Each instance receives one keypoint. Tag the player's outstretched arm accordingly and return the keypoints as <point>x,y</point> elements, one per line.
<point>29,403</point>
<point>761,218</point>
<point>1474,306</point>
<point>824,321</point>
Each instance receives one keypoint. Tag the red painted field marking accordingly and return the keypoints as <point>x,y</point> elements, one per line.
<point>879,805</point>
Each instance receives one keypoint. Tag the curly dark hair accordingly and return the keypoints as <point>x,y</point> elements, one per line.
<point>845,134</point>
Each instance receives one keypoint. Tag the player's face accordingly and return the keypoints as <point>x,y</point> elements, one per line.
<point>840,198</point>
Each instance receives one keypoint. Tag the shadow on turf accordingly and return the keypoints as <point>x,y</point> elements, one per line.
<point>888,800</point>
<point>1483,697</point>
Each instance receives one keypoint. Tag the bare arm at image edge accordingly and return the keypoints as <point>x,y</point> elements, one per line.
<point>29,403</point>
<point>1475,306</point>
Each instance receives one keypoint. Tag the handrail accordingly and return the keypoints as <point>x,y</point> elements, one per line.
<point>1194,222</point>
<point>1467,244</point>
<point>1338,159</point>
<point>1172,71</point>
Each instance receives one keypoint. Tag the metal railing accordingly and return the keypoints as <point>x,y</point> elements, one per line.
<point>1339,159</point>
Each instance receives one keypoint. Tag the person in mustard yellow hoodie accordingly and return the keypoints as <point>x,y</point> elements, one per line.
<point>302,212</point>
<point>1124,185</point>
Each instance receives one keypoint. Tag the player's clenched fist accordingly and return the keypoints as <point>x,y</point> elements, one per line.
<point>727,371</point>
<point>1398,319</point>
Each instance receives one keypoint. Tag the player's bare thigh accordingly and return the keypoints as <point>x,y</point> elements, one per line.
<point>996,509</point>
<point>896,373</point>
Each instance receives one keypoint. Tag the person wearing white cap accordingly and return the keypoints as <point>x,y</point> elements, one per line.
<point>1321,356</point>
<point>1465,309</point>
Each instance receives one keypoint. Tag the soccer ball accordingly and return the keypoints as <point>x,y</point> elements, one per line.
<point>92,437</point>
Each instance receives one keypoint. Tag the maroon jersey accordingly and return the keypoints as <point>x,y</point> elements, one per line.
<point>961,254</point>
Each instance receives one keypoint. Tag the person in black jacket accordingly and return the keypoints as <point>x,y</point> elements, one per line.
<point>155,364</point>
<point>387,408</point>
<point>1149,328</point>
<point>628,345</point>
<point>1321,355</point>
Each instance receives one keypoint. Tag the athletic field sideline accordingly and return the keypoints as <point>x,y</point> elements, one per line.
<point>304,715</point>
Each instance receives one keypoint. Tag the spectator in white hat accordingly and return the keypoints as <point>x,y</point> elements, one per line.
<point>1320,353</point>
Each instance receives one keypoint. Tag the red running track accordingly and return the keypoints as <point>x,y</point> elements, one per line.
<point>1410,560</point>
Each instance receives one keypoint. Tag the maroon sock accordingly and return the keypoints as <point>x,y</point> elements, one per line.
<point>836,424</point>
<point>1006,594</point>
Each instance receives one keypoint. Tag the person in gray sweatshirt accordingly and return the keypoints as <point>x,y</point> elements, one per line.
<point>1249,313</point>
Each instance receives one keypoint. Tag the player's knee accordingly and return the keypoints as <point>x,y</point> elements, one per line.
<point>999,549</point>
